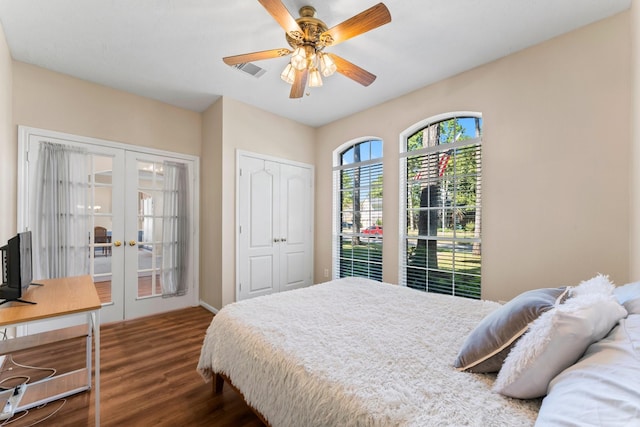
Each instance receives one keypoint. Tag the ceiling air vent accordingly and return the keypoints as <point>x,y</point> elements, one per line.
<point>250,68</point>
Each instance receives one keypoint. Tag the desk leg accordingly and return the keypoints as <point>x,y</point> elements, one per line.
<point>96,337</point>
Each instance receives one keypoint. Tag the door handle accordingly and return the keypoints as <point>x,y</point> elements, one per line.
<point>284,239</point>
<point>132,242</point>
<point>276,240</point>
<point>117,243</point>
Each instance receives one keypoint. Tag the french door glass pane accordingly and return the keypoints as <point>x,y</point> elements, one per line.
<point>150,184</point>
<point>100,200</point>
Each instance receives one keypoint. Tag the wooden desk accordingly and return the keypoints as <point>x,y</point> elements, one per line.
<point>57,298</point>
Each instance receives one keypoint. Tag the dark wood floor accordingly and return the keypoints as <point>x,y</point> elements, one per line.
<point>103,287</point>
<point>148,377</point>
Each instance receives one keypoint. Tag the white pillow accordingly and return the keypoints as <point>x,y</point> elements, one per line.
<point>627,292</point>
<point>601,389</point>
<point>599,284</point>
<point>632,306</point>
<point>557,339</point>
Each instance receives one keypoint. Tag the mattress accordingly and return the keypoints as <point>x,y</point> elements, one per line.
<point>355,352</point>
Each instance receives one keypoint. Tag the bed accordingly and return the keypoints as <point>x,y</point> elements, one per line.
<point>354,352</point>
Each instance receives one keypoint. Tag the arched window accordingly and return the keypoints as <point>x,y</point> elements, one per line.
<point>441,205</point>
<point>357,242</point>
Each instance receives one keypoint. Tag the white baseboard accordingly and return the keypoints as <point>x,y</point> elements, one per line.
<point>209,307</point>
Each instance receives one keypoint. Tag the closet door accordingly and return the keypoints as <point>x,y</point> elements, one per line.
<point>274,226</point>
<point>259,232</point>
<point>294,248</point>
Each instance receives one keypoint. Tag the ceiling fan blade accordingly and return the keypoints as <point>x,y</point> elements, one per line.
<point>352,71</point>
<point>283,17</point>
<point>299,83</point>
<point>361,23</point>
<point>255,56</point>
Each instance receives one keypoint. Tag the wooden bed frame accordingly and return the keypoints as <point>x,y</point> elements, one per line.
<point>218,382</point>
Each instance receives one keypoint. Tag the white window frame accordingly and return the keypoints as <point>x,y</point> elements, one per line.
<point>336,220</point>
<point>404,154</point>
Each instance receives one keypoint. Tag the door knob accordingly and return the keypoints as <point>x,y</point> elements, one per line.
<point>132,242</point>
<point>117,243</point>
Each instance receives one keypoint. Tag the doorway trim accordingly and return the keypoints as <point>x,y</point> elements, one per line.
<point>26,132</point>
<point>244,153</point>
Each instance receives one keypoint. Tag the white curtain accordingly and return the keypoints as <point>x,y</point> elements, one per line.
<point>61,232</point>
<point>175,230</point>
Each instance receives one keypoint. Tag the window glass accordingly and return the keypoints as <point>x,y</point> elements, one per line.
<point>359,235</point>
<point>442,208</point>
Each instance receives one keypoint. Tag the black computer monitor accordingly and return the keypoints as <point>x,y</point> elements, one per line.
<point>17,271</point>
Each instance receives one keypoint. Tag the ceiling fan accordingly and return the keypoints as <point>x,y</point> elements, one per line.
<point>308,36</point>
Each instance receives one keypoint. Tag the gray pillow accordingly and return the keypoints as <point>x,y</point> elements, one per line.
<point>555,341</point>
<point>490,342</point>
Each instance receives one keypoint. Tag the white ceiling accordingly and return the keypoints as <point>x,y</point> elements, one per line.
<point>171,50</point>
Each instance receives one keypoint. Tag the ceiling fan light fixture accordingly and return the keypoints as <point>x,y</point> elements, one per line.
<point>310,53</point>
<point>315,80</point>
<point>299,58</point>
<point>327,65</point>
<point>308,36</point>
<point>288,74</point>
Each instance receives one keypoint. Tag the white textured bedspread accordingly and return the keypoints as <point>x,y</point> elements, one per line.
<point>354,352</point>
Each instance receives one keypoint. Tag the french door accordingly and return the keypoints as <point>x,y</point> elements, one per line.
<point>125,191</point>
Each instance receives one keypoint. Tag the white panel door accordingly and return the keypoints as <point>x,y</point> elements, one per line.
<point>295,227</point>
<point>274,226</point>
<point>258,200</point>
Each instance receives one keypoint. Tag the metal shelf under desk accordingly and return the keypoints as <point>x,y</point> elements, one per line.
<point>56,299</point>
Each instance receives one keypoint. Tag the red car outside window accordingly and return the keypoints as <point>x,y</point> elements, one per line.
<point>374,229</point>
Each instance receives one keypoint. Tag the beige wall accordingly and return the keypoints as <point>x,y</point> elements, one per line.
<point>8,159</point>
<point>211,207</point>
<point>229,126</point>
<point>258,131</point>
<point>555,174</point>
<point>634,195</point>
<point>54,101</point>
